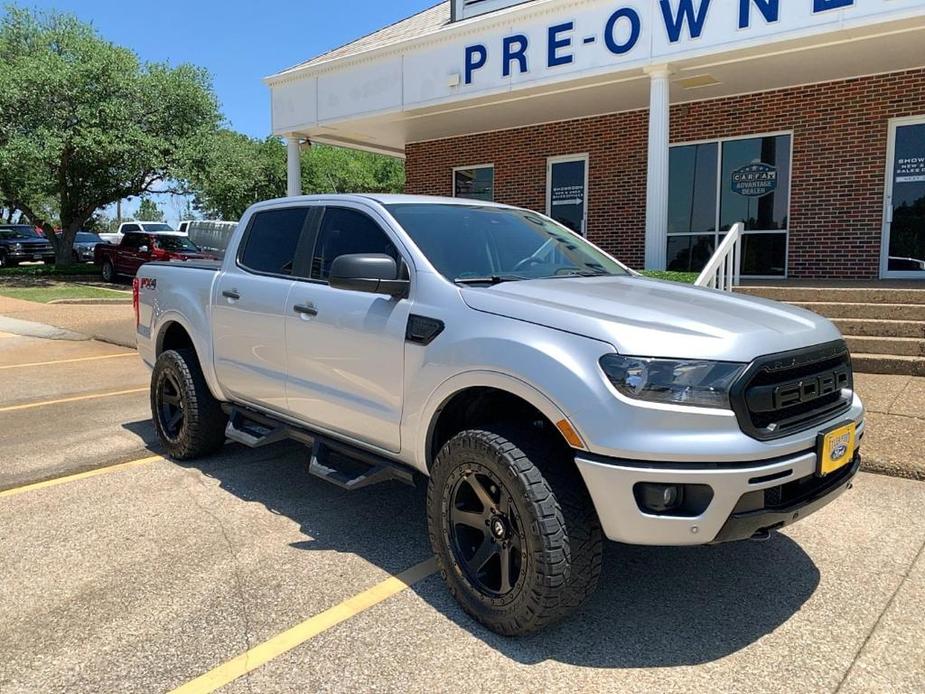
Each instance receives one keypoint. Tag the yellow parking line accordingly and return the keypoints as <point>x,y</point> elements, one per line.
<point>68,361</point>
<point>75,398</point>
<point>268,650</point>
<point>35,486</point>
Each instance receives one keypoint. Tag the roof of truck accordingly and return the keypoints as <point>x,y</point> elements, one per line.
<point>384,199</point>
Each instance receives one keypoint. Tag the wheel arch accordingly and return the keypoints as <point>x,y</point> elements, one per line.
<point>452,404</point>
<point>174,332</point>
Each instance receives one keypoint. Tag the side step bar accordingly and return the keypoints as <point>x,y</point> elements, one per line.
<point>344,465</point>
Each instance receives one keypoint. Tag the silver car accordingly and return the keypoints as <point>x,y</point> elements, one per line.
<point>551,396</point>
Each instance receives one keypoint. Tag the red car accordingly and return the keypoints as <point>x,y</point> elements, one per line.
<point>137,249</point>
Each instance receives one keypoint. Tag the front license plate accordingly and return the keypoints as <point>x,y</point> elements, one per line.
<point>836,448</point>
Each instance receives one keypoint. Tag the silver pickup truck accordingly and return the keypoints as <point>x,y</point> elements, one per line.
<point>549,396</point>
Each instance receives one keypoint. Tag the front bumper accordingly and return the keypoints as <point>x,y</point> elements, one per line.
<point>747,497</point>
<point>28,256</point>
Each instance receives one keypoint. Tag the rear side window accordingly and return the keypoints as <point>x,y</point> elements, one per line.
<point>133,240</point>
<point>270,246</point>
<point>130,227</point>
<point>345,231</point>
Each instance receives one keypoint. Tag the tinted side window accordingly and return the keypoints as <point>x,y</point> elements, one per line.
<point>132,240</point>
<point>130,227</point>
<point>272,240</point>
<point>345,231</point>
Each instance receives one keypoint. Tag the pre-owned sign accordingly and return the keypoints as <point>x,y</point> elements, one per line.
<point>621,32</point>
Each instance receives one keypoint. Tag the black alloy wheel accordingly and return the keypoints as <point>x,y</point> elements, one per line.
<point>170,406</point>
<point>487,534</point>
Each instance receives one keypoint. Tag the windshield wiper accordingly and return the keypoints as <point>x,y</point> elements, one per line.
<point>581,273</point>
<point>488,279</point>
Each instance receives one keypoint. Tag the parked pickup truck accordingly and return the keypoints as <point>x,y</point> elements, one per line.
<point>550,396</point>
<point>139,248</point>
<point>115,237</point>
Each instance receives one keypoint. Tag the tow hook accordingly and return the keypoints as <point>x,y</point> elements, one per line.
<point>762,535</point>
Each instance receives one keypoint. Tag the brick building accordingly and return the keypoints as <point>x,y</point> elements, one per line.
<point>652,126</point>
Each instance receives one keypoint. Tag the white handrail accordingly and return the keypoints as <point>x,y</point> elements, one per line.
<point>724,269</point>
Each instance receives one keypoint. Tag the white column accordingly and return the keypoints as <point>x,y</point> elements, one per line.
<point>657,176</point>
<point>293,167</point>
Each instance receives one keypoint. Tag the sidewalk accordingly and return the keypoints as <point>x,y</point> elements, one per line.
<point>112,323</point>
<point>893,441</point>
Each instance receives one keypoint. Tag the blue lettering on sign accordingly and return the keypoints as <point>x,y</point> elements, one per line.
<point>770,10</point>
<point>556,42</point>
<point>754,180</point>
<point>476,57</point>
<point>511,53</point>
<point>686,13</point>
<point>623,31</point>
<point>635,27</point>
<point>823,5</point>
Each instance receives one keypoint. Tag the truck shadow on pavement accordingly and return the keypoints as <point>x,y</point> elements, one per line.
<point>655,607</point>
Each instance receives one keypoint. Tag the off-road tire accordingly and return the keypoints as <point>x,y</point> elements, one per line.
<point>202,430</point>
<point>564,542</point>
<point>108,272</point>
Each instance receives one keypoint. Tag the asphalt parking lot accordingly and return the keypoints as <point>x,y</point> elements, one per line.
<point>123,571</point>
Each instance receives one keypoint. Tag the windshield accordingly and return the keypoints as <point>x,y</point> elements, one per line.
<point>19,232</point>
<point>472,242</point>
<point>175,244</point>
<point>156,227</point>
<point>87,237</point>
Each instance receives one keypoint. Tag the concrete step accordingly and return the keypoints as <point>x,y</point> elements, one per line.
<point>888,364</point>
<point>851,295</point>
<point>898,346</point>
<point>870,327</point>
<point>906,312</point>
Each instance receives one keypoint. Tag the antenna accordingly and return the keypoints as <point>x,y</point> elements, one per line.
<point>331,179</point>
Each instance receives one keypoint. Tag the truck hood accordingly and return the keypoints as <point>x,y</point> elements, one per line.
<point>644,317</point>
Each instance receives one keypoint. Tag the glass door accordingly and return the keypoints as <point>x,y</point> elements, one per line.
<point>904,219</point>
<point>567,191</point>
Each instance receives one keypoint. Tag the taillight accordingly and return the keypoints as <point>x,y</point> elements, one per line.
<point>136,285</point>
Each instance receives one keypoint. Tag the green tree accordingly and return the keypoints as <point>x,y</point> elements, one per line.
<point>148,211</point>
<point>233,171</point>
<point>84,123</point>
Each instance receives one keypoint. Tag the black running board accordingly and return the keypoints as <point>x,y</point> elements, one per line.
<point>339,463</point>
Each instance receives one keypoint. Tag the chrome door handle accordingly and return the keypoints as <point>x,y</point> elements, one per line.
<point>231,294</point>
<point>305,309</point>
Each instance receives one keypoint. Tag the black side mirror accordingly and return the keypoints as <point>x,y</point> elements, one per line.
<point>374,273</point>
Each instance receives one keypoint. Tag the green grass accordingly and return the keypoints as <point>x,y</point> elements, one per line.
<point>76,270</point>
<point>44,295</point>
<point>683,277</point>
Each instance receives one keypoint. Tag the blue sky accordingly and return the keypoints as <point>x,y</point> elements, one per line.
<point>239,42</point>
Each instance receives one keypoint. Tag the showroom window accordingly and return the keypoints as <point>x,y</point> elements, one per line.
<point>475,182</point>
<point>713,185</point>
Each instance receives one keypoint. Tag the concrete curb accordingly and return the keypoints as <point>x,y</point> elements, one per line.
<point>26,328</point>
<point>91,302</point>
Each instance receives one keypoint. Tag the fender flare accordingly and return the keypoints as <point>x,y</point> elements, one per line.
<point>203,352</point>
<point>443,393</point>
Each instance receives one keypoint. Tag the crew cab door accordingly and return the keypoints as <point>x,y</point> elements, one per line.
<point>346,348</point>
<point>126,256</point>
<point>250,306</point>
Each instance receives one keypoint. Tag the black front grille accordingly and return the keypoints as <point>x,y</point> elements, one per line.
<point>785,393</point>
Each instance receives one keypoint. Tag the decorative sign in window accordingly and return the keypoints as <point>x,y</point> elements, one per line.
<point>754,180</point>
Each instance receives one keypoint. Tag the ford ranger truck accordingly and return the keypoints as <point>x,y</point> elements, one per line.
<point>550,397</point>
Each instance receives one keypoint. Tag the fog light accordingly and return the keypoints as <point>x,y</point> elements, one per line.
<point>659,498</point>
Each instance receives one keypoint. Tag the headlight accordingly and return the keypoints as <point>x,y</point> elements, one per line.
<point>696,383</point>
